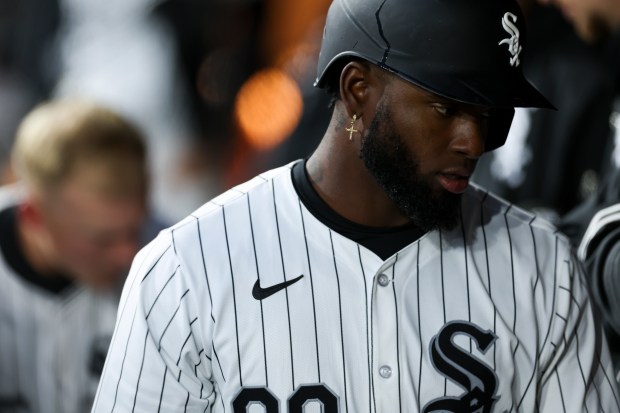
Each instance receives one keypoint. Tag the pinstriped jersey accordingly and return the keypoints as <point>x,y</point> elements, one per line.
<point>52,344</point>
<point>602,221</point>
<point>599,250</point>
<point>252,304</point>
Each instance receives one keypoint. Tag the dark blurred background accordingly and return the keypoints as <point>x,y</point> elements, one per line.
<point>223,90</point>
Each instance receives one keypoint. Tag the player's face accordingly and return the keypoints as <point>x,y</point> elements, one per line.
<point>94,237</point>
<point>593,20</point>
<point>422,149</point>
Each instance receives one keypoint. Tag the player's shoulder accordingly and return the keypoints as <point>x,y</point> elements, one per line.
<point>211,212</point>
<point>489,204</point>
<point>277,176</point>
<point>181,245</point>
<point>602,223</point>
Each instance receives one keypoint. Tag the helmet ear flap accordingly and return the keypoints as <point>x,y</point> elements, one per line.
<point>500,120</point>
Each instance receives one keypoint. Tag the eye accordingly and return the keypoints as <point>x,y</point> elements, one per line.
<point>444,110</point>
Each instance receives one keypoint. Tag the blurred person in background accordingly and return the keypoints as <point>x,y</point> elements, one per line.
<point>597,22</point>
<point>553,160</point>
<point>116,53</point>
<point>594,225</point>
<point>69,228</point>
<point>594,20</point>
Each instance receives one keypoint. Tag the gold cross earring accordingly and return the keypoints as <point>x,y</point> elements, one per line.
<point>350,128</point>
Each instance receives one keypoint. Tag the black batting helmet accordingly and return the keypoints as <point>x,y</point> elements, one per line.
<point>469,51</point>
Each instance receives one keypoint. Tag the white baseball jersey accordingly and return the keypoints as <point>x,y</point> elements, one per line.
<point>52,343</point>
<point>252,304</point>
<point>604,218</point>
<point>600,252</point>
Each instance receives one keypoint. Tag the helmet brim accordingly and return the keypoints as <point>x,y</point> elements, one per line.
<point>515,91</point>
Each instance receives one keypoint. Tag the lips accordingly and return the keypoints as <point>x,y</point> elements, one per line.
<point>456,183</point>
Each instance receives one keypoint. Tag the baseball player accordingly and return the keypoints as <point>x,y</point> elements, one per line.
<point>600,251</point>
<point>68,232</point>
<point>372,277</point>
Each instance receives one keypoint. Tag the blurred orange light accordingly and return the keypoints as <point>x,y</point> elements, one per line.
<point>268,108</point>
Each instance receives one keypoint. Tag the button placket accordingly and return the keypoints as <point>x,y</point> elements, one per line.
<point>385,336</point>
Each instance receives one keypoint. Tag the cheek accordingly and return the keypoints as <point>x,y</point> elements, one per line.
<point>73,245</point>
<point>428,150</point>
<point>420,139</point>
<point>79,250</point>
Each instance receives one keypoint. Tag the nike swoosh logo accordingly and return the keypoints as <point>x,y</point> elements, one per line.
<point>262,293</point>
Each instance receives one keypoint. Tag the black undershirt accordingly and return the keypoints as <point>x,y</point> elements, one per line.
<point>14,256</point>
<point>384,242</point>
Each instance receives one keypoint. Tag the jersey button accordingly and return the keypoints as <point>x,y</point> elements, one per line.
<point>383,280</point>
<point>385,372</point>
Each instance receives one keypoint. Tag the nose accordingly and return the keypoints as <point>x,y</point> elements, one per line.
<point>470,136</point>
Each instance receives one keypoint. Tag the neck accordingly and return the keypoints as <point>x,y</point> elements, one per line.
<point>341,179</point>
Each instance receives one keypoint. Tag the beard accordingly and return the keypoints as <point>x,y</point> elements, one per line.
<point>396,170</point>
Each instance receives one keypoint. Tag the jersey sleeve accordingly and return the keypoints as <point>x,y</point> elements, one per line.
<point>576,369</point>
<point>157,360</point>
<point>603,271</point>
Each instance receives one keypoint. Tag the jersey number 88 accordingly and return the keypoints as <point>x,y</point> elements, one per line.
<point>296,403</point>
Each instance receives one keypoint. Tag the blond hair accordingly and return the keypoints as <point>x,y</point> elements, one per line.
<point>64,139</point>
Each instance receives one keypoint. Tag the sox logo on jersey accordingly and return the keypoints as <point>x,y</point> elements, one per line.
<point>474,376</point>
<point>477,379</point>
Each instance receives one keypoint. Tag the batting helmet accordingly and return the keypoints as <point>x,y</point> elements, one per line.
<point>468,51</point>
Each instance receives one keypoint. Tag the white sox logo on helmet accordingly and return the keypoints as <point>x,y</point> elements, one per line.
<point>508,22</point>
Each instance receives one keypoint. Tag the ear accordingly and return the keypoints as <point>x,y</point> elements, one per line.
<point>355,82</point>
<point>29,213</point>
